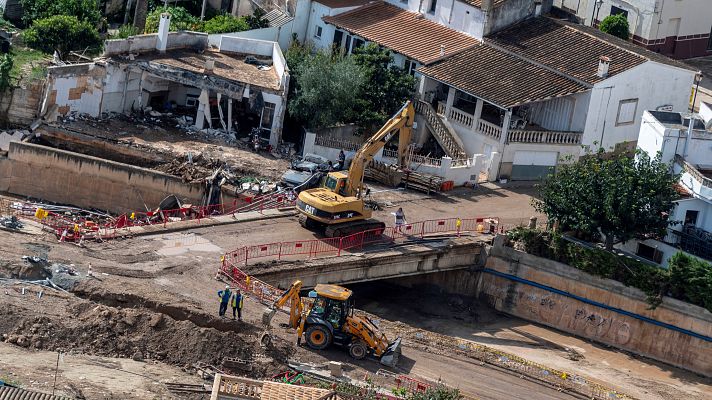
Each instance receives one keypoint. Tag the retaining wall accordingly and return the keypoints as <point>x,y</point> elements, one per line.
<point>601,323</point>
<point>71,178</point>
<point>20,105</point>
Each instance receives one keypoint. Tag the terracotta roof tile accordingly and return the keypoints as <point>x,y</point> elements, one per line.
<point>573,49</point>
<point>500,78</point>
<point>402,31</point>
<point>478,3</point>
<point>343,3</point>
<point>13,393</point>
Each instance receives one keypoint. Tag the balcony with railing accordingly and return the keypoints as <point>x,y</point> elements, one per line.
<point>523,132</point>
<point>693,240</point>
<point>696,179</point>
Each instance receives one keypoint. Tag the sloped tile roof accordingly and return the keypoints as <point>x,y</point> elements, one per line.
<point>573,49</point>
<point>402,31</point>
<point>277,18</point>
<point>478,3</point>
<point>13,393</point>
<point>342,3</point>
<point>500,78</point>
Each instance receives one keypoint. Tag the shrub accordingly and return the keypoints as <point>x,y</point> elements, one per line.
<point>63,33</point>
<point>255,21</point>
<point>616,25</point>
<point>125,31</point>
<point>181,20</point>
<point>84,10</point>
<point>6,63</point>
<point>225,23</point>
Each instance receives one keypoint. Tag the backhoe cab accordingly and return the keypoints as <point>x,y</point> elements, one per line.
<point>330,319</point>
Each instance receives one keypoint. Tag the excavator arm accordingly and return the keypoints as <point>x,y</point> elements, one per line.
<point>296,306</point>
<point>400,123</point>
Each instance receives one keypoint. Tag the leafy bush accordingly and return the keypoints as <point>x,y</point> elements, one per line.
<point>687,278</point>
<point>616,25</point>
<point>181,20</point>
<point>225,23</point>
<point>255,21</point>
<point>63,33</point>
<point>84,10</point>
<point>6,63</point>
<point>125,31</point>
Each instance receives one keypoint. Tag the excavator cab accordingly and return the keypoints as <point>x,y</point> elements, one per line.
<point>336,182</point>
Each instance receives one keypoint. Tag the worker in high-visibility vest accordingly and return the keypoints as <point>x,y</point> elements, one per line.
<point>236,303</point>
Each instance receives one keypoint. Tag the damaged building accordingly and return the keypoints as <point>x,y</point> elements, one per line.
<point>237,87</point>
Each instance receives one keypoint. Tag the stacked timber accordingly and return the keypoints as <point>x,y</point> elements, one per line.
<point>386,174</point>
<point>393,176</point>
<point>422,182</point>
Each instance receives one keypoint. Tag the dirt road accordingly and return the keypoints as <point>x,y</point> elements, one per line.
<point>156,295</point>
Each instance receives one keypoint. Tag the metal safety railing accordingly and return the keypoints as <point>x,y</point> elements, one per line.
<point>337,246</point>
<point>76,228</point>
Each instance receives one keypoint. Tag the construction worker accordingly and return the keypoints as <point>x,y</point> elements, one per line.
<point>342,159</point>
<point>236,303</point>
<point>400,218</point>
<point>224,299</point>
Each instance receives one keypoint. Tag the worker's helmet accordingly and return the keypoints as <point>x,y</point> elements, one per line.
<point>227,286</point>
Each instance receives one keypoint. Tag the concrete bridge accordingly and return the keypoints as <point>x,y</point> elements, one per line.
<point>398,261</point>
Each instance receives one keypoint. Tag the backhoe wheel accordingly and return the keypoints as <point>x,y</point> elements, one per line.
<point>358,350</point>
<point>318,337</point>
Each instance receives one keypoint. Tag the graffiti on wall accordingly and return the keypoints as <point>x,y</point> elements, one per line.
<point>559,311</point>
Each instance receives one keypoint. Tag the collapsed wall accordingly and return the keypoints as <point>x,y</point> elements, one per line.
<point>70,178</point>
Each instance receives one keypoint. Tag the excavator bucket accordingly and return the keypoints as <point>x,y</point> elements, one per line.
<point>268,315</point>
<point>392,353</point>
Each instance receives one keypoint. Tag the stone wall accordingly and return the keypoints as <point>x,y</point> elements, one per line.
<point>84,181</point>
<point>602,310</point>
<point>20,106</point>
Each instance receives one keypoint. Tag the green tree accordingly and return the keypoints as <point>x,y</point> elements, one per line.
<point>84,10</point>
<point>691,280</point>
<point>6,63</point>
<point>386,87</point>
<point>181,20</point>
<point>256,20</point>
<point>62,33</point>
<point>326,88</point>
<point>225,23</point>
<point>616,25</point>
<point>615,195</point>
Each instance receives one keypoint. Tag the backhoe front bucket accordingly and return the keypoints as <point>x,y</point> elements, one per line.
<point>392,353</point>
<point>267,316</point>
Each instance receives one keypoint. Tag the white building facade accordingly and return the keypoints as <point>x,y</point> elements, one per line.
<point>666,133</point>
<point>676,28</point>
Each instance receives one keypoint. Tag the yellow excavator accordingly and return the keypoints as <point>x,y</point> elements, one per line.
<point>338,206</point>
<point>328,318</point>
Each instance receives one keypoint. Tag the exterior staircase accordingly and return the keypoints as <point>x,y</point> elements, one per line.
<point>441,130</point>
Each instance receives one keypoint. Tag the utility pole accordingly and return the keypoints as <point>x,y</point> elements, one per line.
<point>56,369</point>
<point>202,11</point>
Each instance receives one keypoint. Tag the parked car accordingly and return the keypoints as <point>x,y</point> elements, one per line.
<point>311,163</point>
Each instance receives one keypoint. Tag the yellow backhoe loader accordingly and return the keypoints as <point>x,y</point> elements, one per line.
<point>330,319</point>
<point>338,206</point>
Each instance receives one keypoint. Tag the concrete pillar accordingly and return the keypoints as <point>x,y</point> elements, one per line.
<point>446,164</point>
<point>493,167</point>
<point>478,115</point>
<point>450,100</point>
<point>421,87</point>
<point>229,114</point>
<point>309,139</point>
<point>163,28</point>
<point>505,128</point>
<point>203,104</point>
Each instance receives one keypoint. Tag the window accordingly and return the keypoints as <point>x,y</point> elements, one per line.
<point>267,116</point>
<point>433,4</point>
<point>626,111</point>
<point>691,217</point>
<point>649,253</point>
<point>317,32</point>
<point>191,100</point>
<point>410,66</point>
<point>356,44</point>
<point>615,11</point>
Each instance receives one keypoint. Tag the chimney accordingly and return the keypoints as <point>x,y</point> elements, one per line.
<point>209,64</point>
<point>486,5</point>
<point>163,28</point>
<point>442,50</point>
<point>603,64</point>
